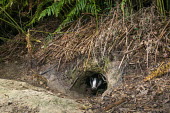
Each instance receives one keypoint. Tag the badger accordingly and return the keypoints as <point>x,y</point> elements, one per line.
<point>96,81</point>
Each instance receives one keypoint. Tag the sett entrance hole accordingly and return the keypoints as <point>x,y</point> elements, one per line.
<point>90,83</point>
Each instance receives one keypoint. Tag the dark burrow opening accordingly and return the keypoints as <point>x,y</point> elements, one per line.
<point>90,83</point>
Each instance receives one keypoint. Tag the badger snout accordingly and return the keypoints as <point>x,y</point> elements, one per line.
<point>95,83</point>
<point>94,88</point>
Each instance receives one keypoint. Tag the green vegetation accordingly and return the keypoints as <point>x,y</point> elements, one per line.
<point>17,16</point>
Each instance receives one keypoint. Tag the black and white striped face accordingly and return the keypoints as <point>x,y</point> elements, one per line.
<point>95,83</point>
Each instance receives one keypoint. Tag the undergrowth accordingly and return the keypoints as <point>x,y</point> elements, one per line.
<point>140,39</point>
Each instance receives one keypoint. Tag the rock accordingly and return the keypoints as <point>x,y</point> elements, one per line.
<point>18,96</point>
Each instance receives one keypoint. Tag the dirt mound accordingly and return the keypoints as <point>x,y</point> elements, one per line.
<point>140,40</point>
<point>22,97</point>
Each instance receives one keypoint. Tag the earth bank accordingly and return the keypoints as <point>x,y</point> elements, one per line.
<point>17,97</point>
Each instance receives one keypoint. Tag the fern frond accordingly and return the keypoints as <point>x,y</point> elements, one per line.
<point>71,9</point>
<point>88,6</point>
<point>55,8</point>
<point>48,11</point>
<point>38,12</point>
<point>68,19</point>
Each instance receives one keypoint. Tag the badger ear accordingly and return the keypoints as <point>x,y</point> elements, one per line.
<point>104,79</point>
<point>100,82</point>
<point>91,81</point>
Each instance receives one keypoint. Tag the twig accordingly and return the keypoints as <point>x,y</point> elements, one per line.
<point>49,69</point>
<point>125,54</point>
<point>110,106</point>
<point>74,82</point>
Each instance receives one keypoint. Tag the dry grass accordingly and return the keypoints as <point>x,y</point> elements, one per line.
<point>142,38</point>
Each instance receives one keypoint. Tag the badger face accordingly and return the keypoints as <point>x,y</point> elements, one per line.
<point>95,83</point>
